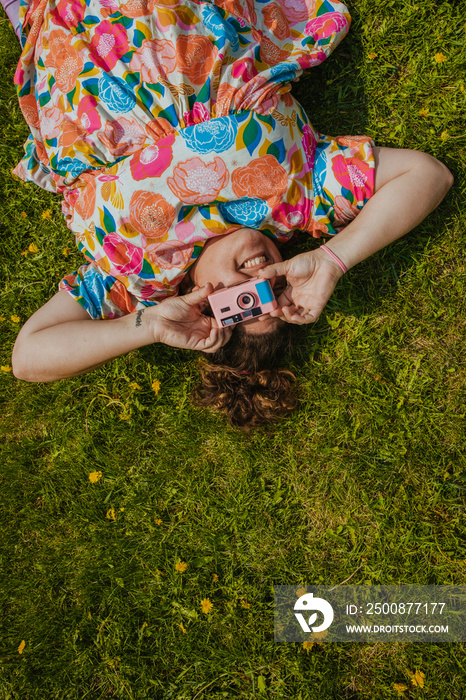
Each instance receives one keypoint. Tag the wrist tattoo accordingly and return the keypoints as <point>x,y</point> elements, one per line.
<point>138,317</point>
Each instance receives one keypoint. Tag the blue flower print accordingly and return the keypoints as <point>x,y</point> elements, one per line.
<point>219,27</point>
<point>71,167</point>
<point>93,288</point>
<point>214,136</point>
<point>116,94</point>
<point>248,211</point>
<point>283,72</point>
<point>320,170</point>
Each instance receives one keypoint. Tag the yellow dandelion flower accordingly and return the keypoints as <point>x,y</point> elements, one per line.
<point>371,55</point>
<point>319,636</point>
<point>308,646</point>
<point>124,416</point>
<point>94,477</point>
<point>15,318</point>
<point>440,58</point>
<point>181,566</point>
<point>182,628</point>
<point>110,514</point>
<point>155,386</point>
<point>399,687</point>
<point>424,112</point>
<point>2,318</point>
<point>215,577</point>
<point>32,248</point>
<point>158,521</point>
<point>206,606</point>
<point>417,678</point>
<point>21,647</point>
<point>134,385</point>
<point>25,252</point>
<point>245,604</point>
<point>444,135</point>
<point>5,368</point>
<point>122,509</point>
<point>66,252</point>
<point>47,214</point>
<point>24,215</point>
<point>300,591</point>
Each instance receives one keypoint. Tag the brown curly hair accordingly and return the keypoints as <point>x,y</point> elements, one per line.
<point>244,379</point>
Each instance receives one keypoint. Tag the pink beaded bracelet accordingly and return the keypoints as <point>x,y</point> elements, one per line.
<point>337,260</point>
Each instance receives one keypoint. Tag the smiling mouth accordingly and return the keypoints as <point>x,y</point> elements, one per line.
<point>255,263</point>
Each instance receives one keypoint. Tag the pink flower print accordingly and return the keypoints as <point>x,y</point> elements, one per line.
<point>308,60</point>
<point>324,26</point>
<point>297,10</point>
<point>196,115</point>
<point>107,7</point>
<point>51,120</point>
<point>154,60</point>
<point>68,13</point>
<point>152,161</point>
<point>196,182</point>
<point>88,115</point>
<point>170,254</point>
<point>108,44</point>
<point>150,290</point>
<point>355,175</point>
<point>125,259</point>
<point>289,215</point>
<point>344,210</point>
<point>244,69</point>
<point>123,136</point>
<point>309,145</point>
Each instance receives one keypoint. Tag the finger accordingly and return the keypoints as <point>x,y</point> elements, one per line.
<point>217,339</point>
<point>275,270</point>
<point>195,297</point>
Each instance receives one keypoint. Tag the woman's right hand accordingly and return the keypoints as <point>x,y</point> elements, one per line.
<point>179,322</point>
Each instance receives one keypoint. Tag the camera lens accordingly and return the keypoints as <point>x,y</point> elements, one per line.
<point>246,300</point>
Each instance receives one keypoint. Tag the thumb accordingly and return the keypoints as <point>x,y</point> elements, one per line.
<point>274,270</point>
<point>195,297</point>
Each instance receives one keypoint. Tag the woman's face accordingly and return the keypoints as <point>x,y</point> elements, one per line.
<point>236,257</point>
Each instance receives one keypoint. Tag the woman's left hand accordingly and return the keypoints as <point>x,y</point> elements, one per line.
<point>311,278</point>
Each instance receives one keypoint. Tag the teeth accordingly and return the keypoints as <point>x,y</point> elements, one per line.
<point>255,261</point>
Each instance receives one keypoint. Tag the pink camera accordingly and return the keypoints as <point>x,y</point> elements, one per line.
<point>242,301</point>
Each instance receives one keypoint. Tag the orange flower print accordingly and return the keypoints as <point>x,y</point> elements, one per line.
<point>196,182</point>
<point>264,178</point>
<point>51,120</point>
<point>356,143</point>
<point>28,106</point>
<point>225,95</point>
<point>85,204</point>
<point>275,20</point>
<point>66,61</point>
<point>344,210</point>
<point>150,214</point>
<point>158,128</point>
<point>137,8</point>
<point>154,60</point>
<point>122,298</point>
<point>271,53</point>
<point>70,134</point>
<point>123,136</point>
<point>170,254</point>
<point>195,56</point>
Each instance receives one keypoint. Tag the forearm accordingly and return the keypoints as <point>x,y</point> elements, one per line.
<point>78,346</point>
<point>399,204</point>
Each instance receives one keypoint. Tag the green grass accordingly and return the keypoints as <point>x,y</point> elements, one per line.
<point>366,479</point>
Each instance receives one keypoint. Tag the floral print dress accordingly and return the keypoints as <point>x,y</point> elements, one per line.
<point>164,123</point>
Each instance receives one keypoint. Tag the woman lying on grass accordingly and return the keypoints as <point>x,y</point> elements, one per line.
<point>185,164</point>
